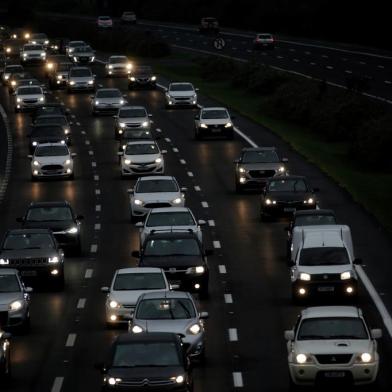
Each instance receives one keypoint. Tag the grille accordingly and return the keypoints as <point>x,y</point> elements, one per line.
<point>290,203</point>
<point>30,100</point>
<point>119,68</point>
<point>143,80</point>
<point>325,277</point>
<point>34,261</point>
<point>133,125</point>
<point>261,173</point>
<point>157,205</point>
<point>140,382</point>
<point>182,99</point>
<point>143,169</point>
<point>52,167</point>
<point>3,319</point>
<point>325,359</point>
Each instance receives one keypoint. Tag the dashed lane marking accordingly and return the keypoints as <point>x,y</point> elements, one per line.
<point>91,152</point>
<point>89,273</point>
<point>175,149</point>
<point>348,71</point>
<point>96,177</point>
<point>204,204</point>
<point>87,142</point>
<point>78,124</point>
<point>94,164</point>
<point>167,140</point>
<point>97,191</point>
<point>387,82</point>
<point>233,335</point>
<point>190,174</point>
<point>70,340</point>
<point>329,67</point>
<point>98,208</point>
<point>81,303</point>
<point>237,380</point>
<point>97,226</point>
<point>57,384</point>
<point>197,188</point>
<point>94,248</point>
<point>228,298</point>
<point>222,269</point>
<point>216,244</point>
<point>183,161</point>
<point>211,223</point>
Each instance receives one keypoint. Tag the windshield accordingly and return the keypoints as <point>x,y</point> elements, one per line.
<point>51,120</point>
<point>136,134</point>
<point>165,309</point>
<point>324,256</point>
<point>47,214</point>
<point>129,113</point>
<point>214,114</point>
<point>29,82</point>
<point>118,60</point>
<point>47,131</point>
<point>314,220</point>
<point>172,247</point>
<point>76,44</point>
<point>63,67</point>
<point>265,36</point>
<point>265,156</point>
<point>51,151</point>
<point>181,87</point>
<point>33,47</point>
<point>143,70</point>
<point>108,94</point>
<point>29,90</point>
<point>39,36</point>
<point>139,354</point>
<point>141,149</point>
<point>9,284</point>
<point>104,18</point>
<point>28,241</point>
<point>83,49</point>
<point>139,281</point>
<point>13,68</point>
<point>297,185</point>
<point>332,328</point>
<point>183,218</point>
<point>152,186</point>
<point>80,73</point>
<point>48,110</point>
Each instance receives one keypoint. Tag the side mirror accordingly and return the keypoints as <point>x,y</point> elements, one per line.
<point>125,96</point>
<point>184,189</point>
<point>285,160</point>
<point>105,289</point>
<point>316,190</point>
<point>135,254</point>
<point>357,262</point>
<point>174,286</point>
<point>79,217</point>
<point>209,252</point>
<point>92,96</point>
<point>67,111</point>
<point>289,335</point>
<point>149,115</point>
<point>30,156</point>
<point>204,315</point>
<point>73,154</point>
<point>376,333</point>
<point>115,116</point>
<point>139,224</point>
<point>20,219</point>
<point>196,89</point>
<point>201,222</point>
<point>28,290</point>
<point>130,191</point>
<point>61,251</point>
<point>164,152</point>
<point>120,153</point>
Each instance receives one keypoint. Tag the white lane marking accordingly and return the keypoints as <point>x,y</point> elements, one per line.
<point>228,298</point>
<point>292,50</point>
<point>89,273</point>
<point>308,53</point>
<point>73,116</point>
<point>211,223</point>
<point>87,142</point>
<point>100,61</point>
<point>175,149</point>
<point>324,56</point>
<point>159,85</point>
<point>348,71</point>
<point>329,67</point>
<point>78,124</point>
<point>97,226</point>
<point>248,50</point>
<point>91,152</point>
<point>97,191</point>
<point>204,204</point>
<point>296,61</point>
<point>387,82</point>
<point>234,48</point>
<point>362,62</point>
<point>380,66</point>
<point>96,177</point>
<point>57,384</point>
<point>94,248</point>
<point>197,188</point>
<point>216,244</point>
<point>222,269</point>
<point>8,164</point>
<point>81,303</point>
<point>94,164</point>
<point>83,132</point>
<point>233,335</point>
<point>312,63</point>
<point>247,138</point>
<point>237,380</point>
<point>190,174</point>
<point>279,57</point>
<point>183,161</point>
<point>70,340</point>
<point>98,208</point>
<point>167,140</point>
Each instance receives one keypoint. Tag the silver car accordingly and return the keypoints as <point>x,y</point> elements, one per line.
<point>107,100</point>
<point>175,312</point>
<point>69,49</point>
<point>32,53</point>
<point>28,97</point>
<point>154,192</point>
<point>14,300</point>
<point>170,219</point>
<point>142,158</point>
<point>214,121</point>
<point>118,66</point>
<point>181,94</point>
<point>83,55</point>
<point>133,118</point>
<point>126,287</point>
<point>80,78</point>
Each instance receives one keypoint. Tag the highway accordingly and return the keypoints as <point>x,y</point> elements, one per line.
<point>250,303</point>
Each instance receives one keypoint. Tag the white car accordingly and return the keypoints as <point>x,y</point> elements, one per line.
<point>107,100</point>
<point>213,121</point>
<point>80,78</point>
<point>128,17</point>
<point>118,66</point>
<point>170,219</point>
<point>181,94</point>
<point>72,45</point>
<point>104,22</point>
<point>126,287</point>
<point>28,97</point>
<point>141,158</point>
<point>39,39</point>
<point>332,343</point>
<point>154,192</point>
<point>52,160</point>
<point>31,53</point>
<point>131,118</point>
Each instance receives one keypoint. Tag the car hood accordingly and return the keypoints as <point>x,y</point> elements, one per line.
<point>289,196</point>
<point>129,297</point>
<point>53,225</point>
<point>81,78</point>
<point>143,158</point>
<point>182,93</point>
<point>57,160</point>
<point>7,298</point>
<point>215,121</point>
<point>110,100</point>
<point>174,326</point>
<point>261,166</point>
<point>157,196</point>
<point>334,346</point>
<point>325,269</point>
<point>27,253</point>
<point>30,96</point>
<point>171,261</point>
<point>146,372</point>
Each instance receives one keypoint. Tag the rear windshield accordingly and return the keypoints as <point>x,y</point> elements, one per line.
<point>153,186</point>
<point>182,218</point>
<point>139,281</point>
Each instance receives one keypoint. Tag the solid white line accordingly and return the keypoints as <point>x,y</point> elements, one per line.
<point>233,335</point>
<point>88,274</point>
<point>237,380</point>
<point>94,248</point>
<point>97,226</point>
<point>98,208</point>
<point>380,66</point>
<point>175,149</point>
<point>167,140</point>
<point>78,124</point>
<point>183,161</point>
<point>197,188</point>
<point>70,340</point>
<point>387,82</point>
<point>292,50</point>
<point>222,269</point>
<point>204,204</point>
<point>329,67</point>
<point>217,244</point>
<point>81,303</point>
<point>100,61</point>
<point>211,223</point>
<point>57,384</point>
<point>190,174</point>
<point>348,71</point>
<point>247,138</point>
<point>228,298</point>
<point>96,177</point>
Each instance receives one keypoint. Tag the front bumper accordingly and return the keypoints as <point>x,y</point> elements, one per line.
<point>35,272</point>
<point>142,211</point>
<point>119,315</point>
<point>343,288</point>
<point>118,71</point>
<point>13,319</point>
<point>29,105</point>
<point>59,172</point>
<point>256,179</point>
<point>285,209</point>
<point>215,130</point>
<point>110,107</point>
<point>140,170</point>
<point>171,101</point>
<point>81,87</point>
<point>32,59</point>
<point>141,82</point>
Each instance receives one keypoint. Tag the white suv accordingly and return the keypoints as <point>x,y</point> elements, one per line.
<point>181,94</point>
<point>332,343</point>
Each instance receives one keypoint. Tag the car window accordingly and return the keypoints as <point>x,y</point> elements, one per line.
<point>181,87</point>
<point>9,284</point>
<point>47,131</point>
<point>314,220</point>
<point>28,241</point>
<point>291,185</point>
<point>130,113</point>
<point>51,120</point>
<point>152,186</point>
<point>141,149</point>
<point>172,247</point>
<point>136,134</point>
<point>51,151</point>
<point>47,214</point>
<point>139,281</point>
<point>29,90</point>
<point>108,94</point>
<point>118,59</point>
<point>214,114</point>
<point>80,73</point>
<point>323,256</point>
<point>165,309</point>
<point>264,156</point>
<point>183,218</point>
<point>33,47</point>
<point>143,70</point>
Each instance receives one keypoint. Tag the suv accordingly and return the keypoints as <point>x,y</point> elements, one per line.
<point>39,39</point>
<point>32,53</point>
<point>35,253</point>
<point>131,118</point>
<point>28,97</point>
<point>118,66</point>
<point>141,76</point>
<point>80,78</point>
<point>209,25</point>
<point>181,255</point>
<point>83,55</point>
<point>72,45</point>
<point>332,343</point>
<point>213,121</point>
<point>256,165</point>
<point>264,40</point>
<point>181,94</point>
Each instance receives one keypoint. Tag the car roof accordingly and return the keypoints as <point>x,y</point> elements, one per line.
<point>154,178</point>
<point>138,270</point>
<point>169,294</point>
<point>40,204</point>
<point>29,231</point>
<point>8,271</point>
<point>169,209</point>
<point>133,107</point>
<point>331,311</point>
<point>313,212</point>
<point>147,337</point>
<point>142,141</point>
<point>248,149</point>
<point>108,89</point>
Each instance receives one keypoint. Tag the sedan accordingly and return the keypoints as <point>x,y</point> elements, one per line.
<point>32,53</point>
<point>127,285</point>
<point>181,94</point>
<point>51,133</point>
<point>83,55</point>
<point>10,70</point>
<point>39,39</point>
<point>72,45</point>
<point>172,311</point>
<point>264,40</point>
<point>133,118</point>
<point>52,160</point>
<point>80,78</point>
<point>154,192</point>
<point>213,121</point>
<point>141,158</point>
<point>28,97</point>
<point>118,66</point>
<point>107,100</point>
<point>142,76</point>
<point>104,22</point>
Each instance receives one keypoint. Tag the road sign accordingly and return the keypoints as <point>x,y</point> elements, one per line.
<point>219,43</point>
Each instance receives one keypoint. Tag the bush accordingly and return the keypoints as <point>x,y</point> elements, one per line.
<point>265,80</point>
<point>217,68</point>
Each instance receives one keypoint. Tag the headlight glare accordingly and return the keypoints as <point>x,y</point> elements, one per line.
<point>195,329</point>
<point>158,160</point>
<point>53,260</point>
<point>202,125</point>
<point>72,230</point>
<point>138,202</point>
<point>137,329</point>
<point>180,379</point>
<point>228,125</point>
<point>345,275</point>
<point>304,276</point>
<point>16,305</point>
<point>178,200</point>
<point>301,358</point>
<point>127,161</point>
<point>36,163</point>
<point>366,357</point>
<point>145,124</point>
<point>113,304</point>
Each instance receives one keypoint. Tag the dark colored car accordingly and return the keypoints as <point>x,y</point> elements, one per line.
<point>51,108</point>
<point>142,76</point>
<point>181,255</point>
<point>15,81</point>
<point>35,253</point>
<point>209,25</point>
<point>130,135</point>
<point>57,216</point>
<point>5,358</point>
<point>50,133</point>
<point>58,76</point>
<point>147,362</point>
<point>285,195</point>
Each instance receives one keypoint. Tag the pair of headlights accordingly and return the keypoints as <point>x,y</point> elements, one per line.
<point>194,329</point>
<point>305,358</point>
<point>343,276</point>
<point>128,161</point>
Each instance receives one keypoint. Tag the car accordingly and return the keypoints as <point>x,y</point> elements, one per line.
<point>3,62</point>
<point>5,356</point>
<point>285,195</point>
<point>104,22</point>
<point>28,97</point>
<point>153,192</point>
<point>51,62</point>
<point>181,255</point>
<point>131,118</point>
<point>264,41</point>
<point>49,133</point>
<point>126,287</point>
<point>181,94</point>
<point>32,53</point>
<point>11,70</point>
<point>332,343</point>
<point>17,80</point>
<point>141,158</point>
<point>170,219</point>
<point>209,25</point>
<point>323,263</point>
<point>146,361</point>
<point>70,47</point>
<point>52,160</point>
<point>118,66</point>
<point>12,47</point>
<point>80,78</point>
<point>39,39</point>
<point>142,76</point>
<point>256,165</point>
<point>214,121</point>
<point>83,55</point>
<point>128,17</point>
<point>59,75</point>
<point>107,100</point>
<point>35,254</point>
<point>131,135</point>
<point>172,311</point>
<point>59,217</point>
<point>55,119</point>
<point>50,108</point>
<point>14,300</point>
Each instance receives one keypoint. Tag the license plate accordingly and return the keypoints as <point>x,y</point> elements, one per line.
<point>29,273</point>
<point>334,374</point>
<point>326,288</point>
<point>216,130</point>
<point>289,209</point>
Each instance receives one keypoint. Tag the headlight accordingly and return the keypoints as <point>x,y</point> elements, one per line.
<point>309,201</point>
<point>91,82</point>
<point>13,83</point>
<point>110,66</point>
<point>127,161</point>
<point>35,163</point>
<point>62,141</point>
<point>59,77</point>
<point>145,124</point>
<point>304,276</point>
<point>14,36</point>
<point>178,200</point>
<point>92,58</point>
<point>195,329</point>
<point>49,65</point>
<point>24,54</point>
<point>129,66</point>
<point>4,262</point>
<point>41,99</point>
<point>34,42</point>
<point>180,379</point>
<point>70,50</point>
<point>34,143</point>
<point>27,36</point>
<point>113,381</point>
<point>71,82</point>
<point>241,170</point>
<point>301,358</point>
<point>53,260</point>
<point>121,102</point>
<point>8,50</point>
<point>133,78</point>
<point>75,59</point>
<point>124,147</point>
<point>18,100</point>
<point>158,160</point>
<point>269,201</point>
<point>68,162</point>
<point>228,125</point>
<point>46,42</point>
<point>366,357</point>
<point>43,54</point>
<point>137,329</point>
<point>345,275</point>
<point>97,102</point>
<point>66,131</point>
<point>154,78</point>
<point>114,304</point>
<point>16,305</point>
<point>72,230</point>
<point>138,202</point>
<point>202,125</point>
<point>196,270</point>
<point>282,169</point>
<point>122,125</point>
